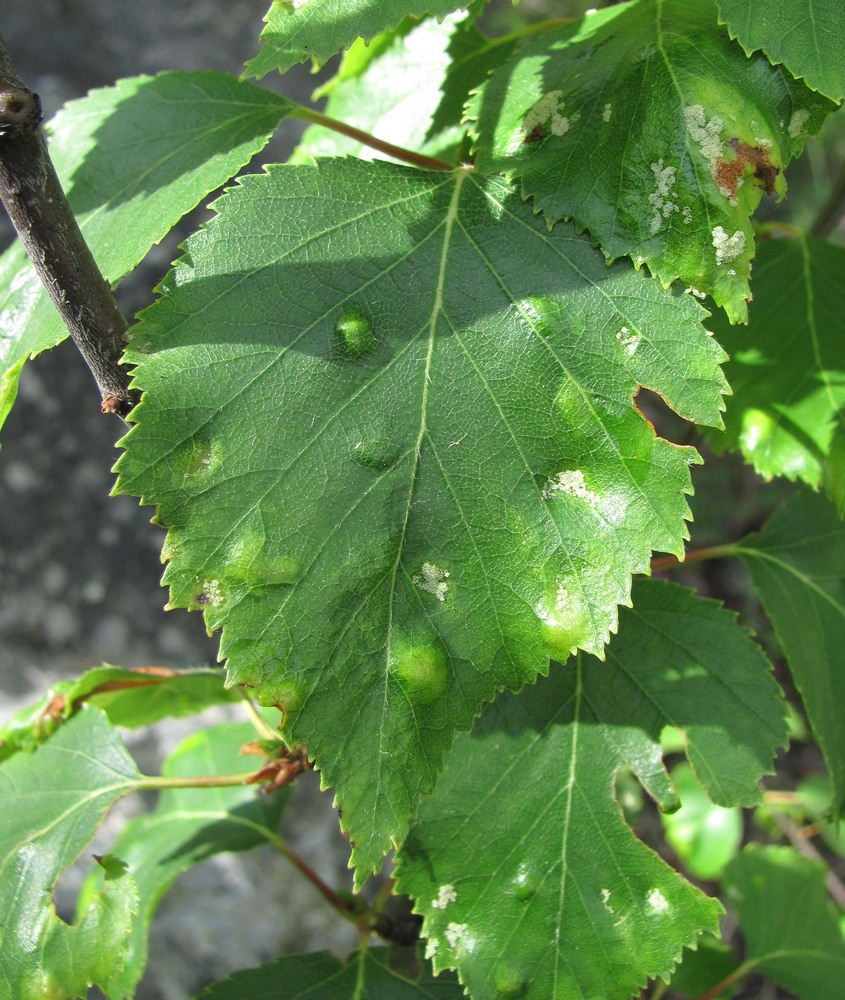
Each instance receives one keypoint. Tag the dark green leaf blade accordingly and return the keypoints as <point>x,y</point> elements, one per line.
<point>791,929</point>
<point>187,826</point>
<point>796,563</point>
<point>133,159</point>
<point>413,485</point>
<point>131,698</point>
<point>370,974</point>
<point>787,369</point>
<point>647,126</point>
<point>521,862</point>
<point>53,802</point>
<point>807,36</point>
<point>297,30</point>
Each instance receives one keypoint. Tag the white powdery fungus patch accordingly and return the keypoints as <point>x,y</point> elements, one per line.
<point>707,135</point>
<point>797,122</point>
<point>630,341</point>
<point>662,205</point>
<point>727,247</point>
<point>432,580</point>
<point>457,936</point>
<point>212,594</point>
<point>608,111</point>
<point>657,901</point>
<point>573,484</point>
<point>445,895</point>
<point>605,898</point>
<point>687,215</point>
<point>432,946</point>
<point>548,111</point>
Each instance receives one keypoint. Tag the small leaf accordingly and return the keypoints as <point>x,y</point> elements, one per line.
<point>54,800</point>
<point>521,863</point>
<point>133,159</point>
<point>187,826</point>
<point>703,835</point>
<point>298,30</point>
<point>808,36</point>
<point>369,974</point>
<point>787,369</point>
<point>647,126</point>
<point>790,926</point>
<point>797,563</point>
<point>129,698</point>
<point>446,479</point>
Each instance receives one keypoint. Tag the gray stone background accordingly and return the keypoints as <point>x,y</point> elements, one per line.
<point>79,572</point>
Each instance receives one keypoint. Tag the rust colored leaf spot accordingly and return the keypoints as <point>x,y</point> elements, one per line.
<point>730,172</point>
<point>535,135</point>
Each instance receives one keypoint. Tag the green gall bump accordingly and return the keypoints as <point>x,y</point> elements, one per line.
<point>247,561</point>
<point>197,460</point>
<point>377,455</point>
<point>421,670</point>
<point>565,622</point>
<point>509,983</point>
<point>355,335</point>
<point>524,884</point>
<point>758,427</point>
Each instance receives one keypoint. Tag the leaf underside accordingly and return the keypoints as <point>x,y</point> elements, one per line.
<point>787,369</point>
<point>522,864</point>
<point>133,159</point>
<point>649,127</point>
<point>54,800</point>
<point>299,30</point>
<point>398,466</point>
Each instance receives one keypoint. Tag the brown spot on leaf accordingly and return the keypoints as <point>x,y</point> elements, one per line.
<point>730,172</point>
<point>535,135</point>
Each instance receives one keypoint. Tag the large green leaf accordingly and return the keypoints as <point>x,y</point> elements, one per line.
<point>53,802</point>
<point>645,124</point>
<point>808,36</point>
<point>797,563</point>
<point>129,698</point>
<point>787,369</point>
<point>297,30</point>
<point>790,925</point>
<point>369,974</point>
<point>417,471</point>
<point>133,159</point>
<point>187,826</point>
<point>401,94</point>
<point>530,882</point>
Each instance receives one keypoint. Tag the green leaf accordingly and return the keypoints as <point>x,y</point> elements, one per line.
<point>298,30</point>
<point>808,36</point>
<point>646,125</point>
<point>787,369</point>
<point>133,159</point>
<point>401,95</point>
<point>187,826</point>
<point>703,835</point>
<point>797,564</point>
<point>522,865</point>
<point>129,698</point>
<point>54,800</point>
<point>411,486</point>
<point>790,926</point>
<point>369,974</point>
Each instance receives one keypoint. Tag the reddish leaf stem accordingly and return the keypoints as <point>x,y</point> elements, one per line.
<point>696,555</point>
<point>397,152</point>
<point>33,197</point>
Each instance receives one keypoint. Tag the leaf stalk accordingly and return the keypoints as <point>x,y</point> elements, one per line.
<point>397,152</point>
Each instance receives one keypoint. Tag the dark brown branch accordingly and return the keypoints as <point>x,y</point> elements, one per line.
<point>33,197</point>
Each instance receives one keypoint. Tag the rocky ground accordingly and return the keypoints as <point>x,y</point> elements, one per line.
<point>79,572</point>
